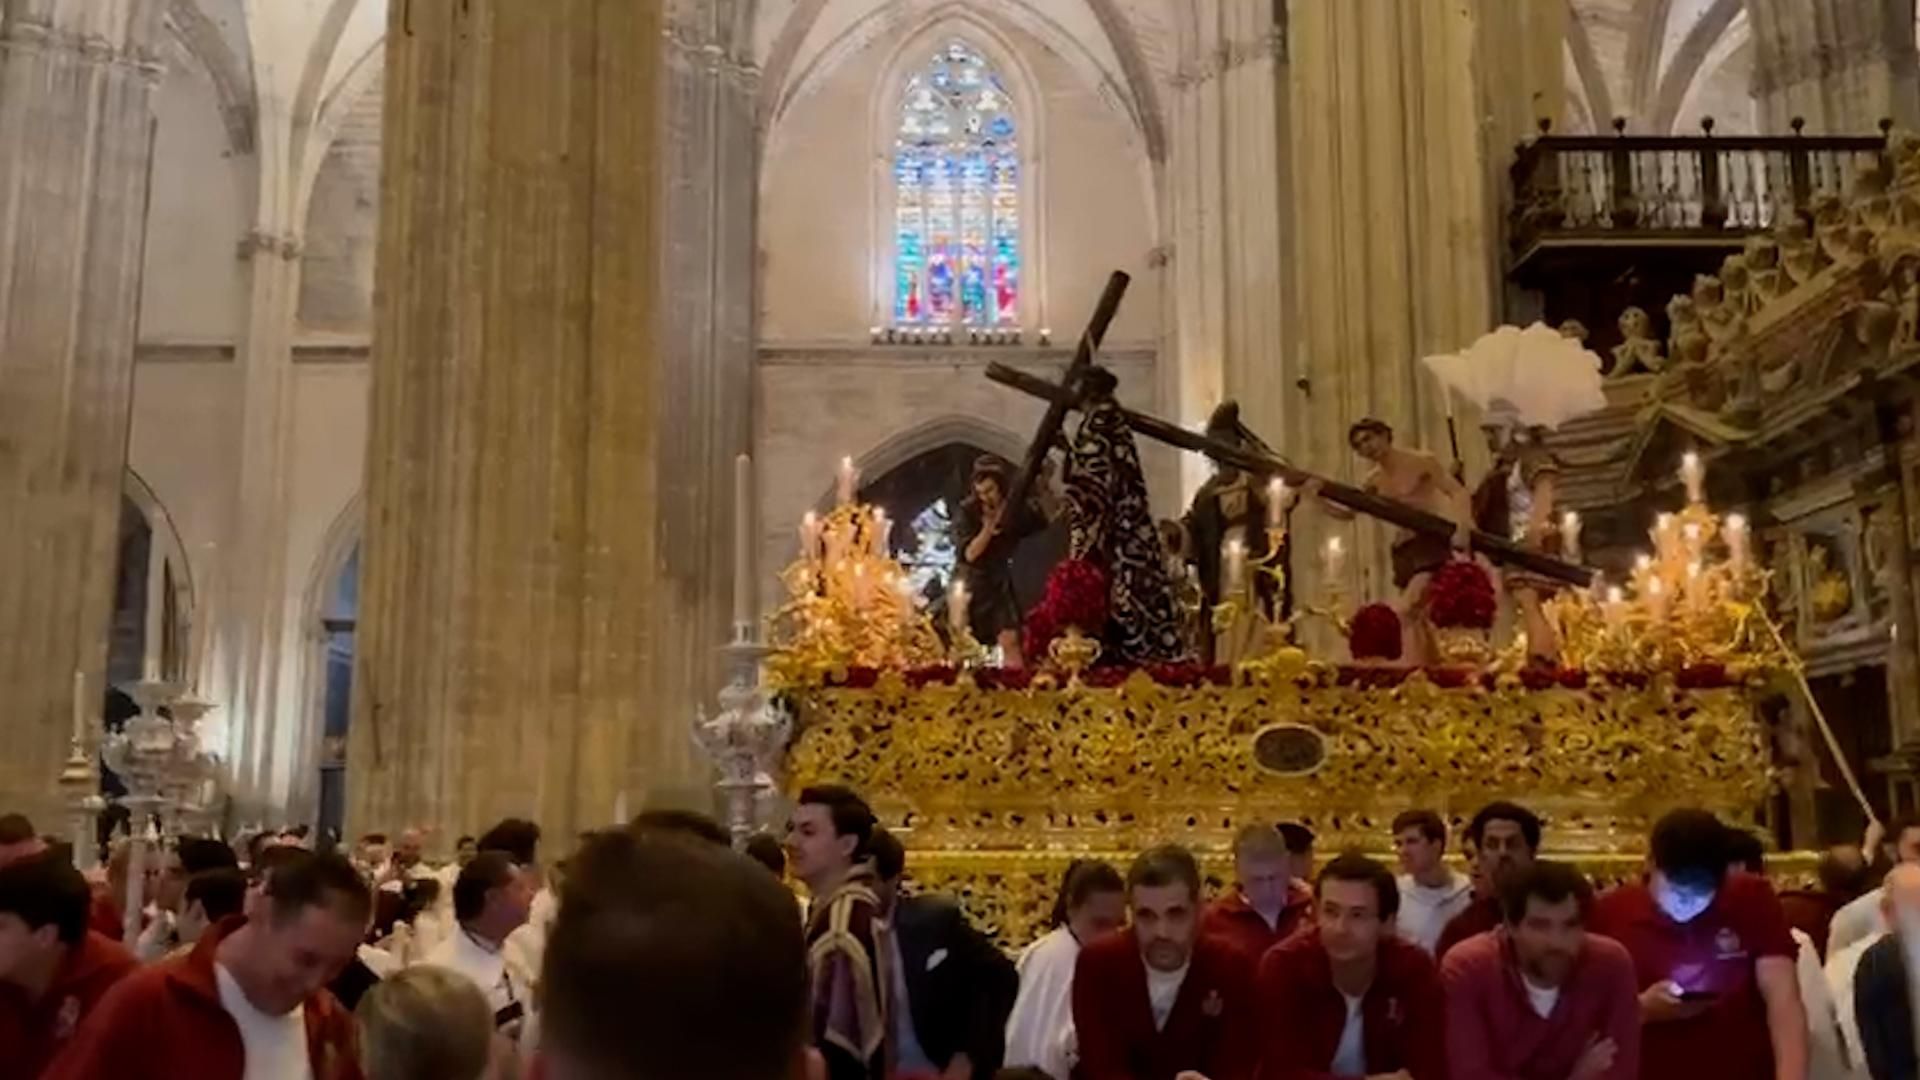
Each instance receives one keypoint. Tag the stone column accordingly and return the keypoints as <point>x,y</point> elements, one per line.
<point>510,557</point>
<point>1398,168</point>
<point>76,141</point>
<point>1227,192</point>
<point>1841,65</point>
<point>705,368</point>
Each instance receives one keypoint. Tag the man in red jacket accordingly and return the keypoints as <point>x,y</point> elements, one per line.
<point>1540,998</point>
<point>52,970</point>
<point>1160,1001</point>
<point>1268,904</point>
<point>1504,839</point>
<point>1348,998</point>
<point>249,1000</point>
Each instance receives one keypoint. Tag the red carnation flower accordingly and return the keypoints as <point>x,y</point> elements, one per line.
<point>1375,634</point>
<point>1461,596</point>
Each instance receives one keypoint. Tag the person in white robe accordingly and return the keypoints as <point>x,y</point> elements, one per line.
<point>1040,1032</point>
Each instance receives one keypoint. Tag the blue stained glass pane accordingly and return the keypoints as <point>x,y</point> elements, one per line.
<point>957,195</point>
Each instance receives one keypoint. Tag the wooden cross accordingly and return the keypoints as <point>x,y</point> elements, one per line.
<point>1063,398</point>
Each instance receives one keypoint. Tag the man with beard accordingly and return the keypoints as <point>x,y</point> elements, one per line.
<point>1714,959</point>
<point>1540,998</point>
<point>1162,1001</point>
<point>1347,997</point>
<point>1504,839</point>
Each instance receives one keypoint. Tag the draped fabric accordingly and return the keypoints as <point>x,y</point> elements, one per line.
<point>1112,525</point>
<point>846,943</point>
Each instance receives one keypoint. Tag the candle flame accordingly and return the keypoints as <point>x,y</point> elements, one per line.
<point>1643,562</point>
<point>1615,595</point>
<point>1737,522</point>
<point>1334,545</point>
<point>1655,588</point>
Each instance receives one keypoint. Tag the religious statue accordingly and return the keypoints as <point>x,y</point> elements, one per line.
<point>1638,349</point>
<point>1516,498</point>
<point>1418,479</point>
<point>1233,507</point>
<point>1112,526</point>
<point>987,536</point>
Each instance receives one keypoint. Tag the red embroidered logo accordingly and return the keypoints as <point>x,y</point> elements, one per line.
<point>68,1018</point>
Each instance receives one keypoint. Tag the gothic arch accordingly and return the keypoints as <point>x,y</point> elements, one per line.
<point>1690,60</point>
<point>338,546</point>
<point>898,449</point>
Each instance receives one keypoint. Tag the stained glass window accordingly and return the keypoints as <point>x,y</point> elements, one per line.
<point>956,171</point>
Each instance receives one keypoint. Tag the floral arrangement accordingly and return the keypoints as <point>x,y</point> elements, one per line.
<point>1076,596</point>
<point>1461,596</point>
<point>1375,634</point>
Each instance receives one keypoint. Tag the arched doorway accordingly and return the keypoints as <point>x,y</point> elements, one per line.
<point>922,496</point>
<point>339,617</point>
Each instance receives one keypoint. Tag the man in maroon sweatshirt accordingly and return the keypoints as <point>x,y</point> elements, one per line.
<point>1348,998</point>
<point>1268,903</point>
<point>250,999</point>
<point>1160,1001</point>
<point>53,971</point>
<point>1540,998</point>
<point>1504,839</point>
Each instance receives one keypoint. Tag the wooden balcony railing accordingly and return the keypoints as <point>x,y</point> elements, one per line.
<point>1644,187</point>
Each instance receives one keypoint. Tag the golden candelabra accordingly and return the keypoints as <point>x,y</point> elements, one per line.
<point>850,604</point>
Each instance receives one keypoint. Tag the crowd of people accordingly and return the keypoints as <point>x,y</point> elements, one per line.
<point>655,951</point>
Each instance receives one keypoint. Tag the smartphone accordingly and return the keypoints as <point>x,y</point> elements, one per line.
<point>1698,995</point>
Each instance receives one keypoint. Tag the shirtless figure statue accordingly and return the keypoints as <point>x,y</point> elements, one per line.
<point>1418,479</point>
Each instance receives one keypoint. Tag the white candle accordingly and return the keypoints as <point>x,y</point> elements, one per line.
<point>1616,606</point>
<point>156,607</point>
<point>860,583</point>
<point>880,531</point>
<point>849,481</point>
<point>1334,560</point>
<point>743,584</point>
<point>810,548</point>
<point>957,602</point>
<point>1663,536</point>
<point>1656,597</point>
<point>79,708</point>
<point>1694,475</point>
<point>1234,554</point>
<point>1276,504</point>
<point>1736,534</point>
<point>1570,535</point>
<point>620,808</point>
<point>1695,537</point>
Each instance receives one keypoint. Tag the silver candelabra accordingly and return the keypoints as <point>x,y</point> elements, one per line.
<point>166,774</point>
<point>747,736</point>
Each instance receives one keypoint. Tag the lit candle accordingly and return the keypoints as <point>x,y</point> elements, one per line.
<point>1663,536</point>
<point>1570,535</point>
<point>810,549</point>
<point>849,481</point>
<point>1333,561</point>
<point>1616,607</point>
<point>1276,504</point>
<point>1736,535</point>
<point>1694,475</point>
<point>880,534</point>
<point>1695,536</point>
<point>1656,598</point>
<point>903,588</point>
<point>620,807</point>
<point>743,585</point>
<point>957,603</point>
<point>860,583</point>
<point>1235,556</point>
<point>1696,585</point>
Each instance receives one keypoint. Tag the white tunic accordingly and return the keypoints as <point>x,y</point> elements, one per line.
<point>503,981</point>
<point>1425,910</point>
<point>1040,1031</point>
<point>275,1046</point>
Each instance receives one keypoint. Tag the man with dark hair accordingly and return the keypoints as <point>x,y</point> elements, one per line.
<point>1541,997</point>
<point>691,823</point>
<point>1431,894</point>
<point>725,996</point>
<point>1299,840</point>
<point>53,970</point>
<point>464,849</point>
<point>1505,838</point>
<point>1714,958</point>
<point>211,895</point>
<point>249,1000</point>
<point>765,850</point>
<point>18,838</point>
<point>951,989</point>
<point>520,839</point>
<point>1268,902</point>
<point>829,842</point>
<point>1163,1000</point>
<point>1841,879</point>
<point>1348,997</point>
<point>491,899</point>
<point>1883,1008</point>
<point>1865,916</point>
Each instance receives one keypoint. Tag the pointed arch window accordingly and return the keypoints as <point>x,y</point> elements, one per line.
<point>956,169</point>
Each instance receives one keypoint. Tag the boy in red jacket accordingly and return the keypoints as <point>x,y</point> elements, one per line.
<point>1159,1001</point>
<point>53,971</point>
<point>1348,998</point>
<point>249,999</point>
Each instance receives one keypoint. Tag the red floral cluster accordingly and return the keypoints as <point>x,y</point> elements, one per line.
<point>1461,596</point>
<point>1707,676</point>
<point>1076,596</point>
<point>1375,634</point>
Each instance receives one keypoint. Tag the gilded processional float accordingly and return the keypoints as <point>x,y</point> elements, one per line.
<point>1151,707</point>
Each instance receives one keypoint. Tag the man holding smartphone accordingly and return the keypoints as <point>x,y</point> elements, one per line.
<point>1714,959</point>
